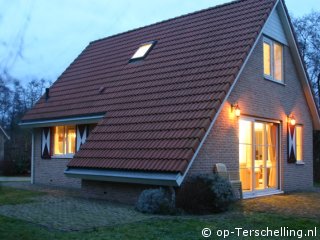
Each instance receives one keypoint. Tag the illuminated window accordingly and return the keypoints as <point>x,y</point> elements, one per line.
<point>299,154</point>
<point>64,139</point>
<point>267,58</point>
<point>142,51</point>
<point>272,60</point>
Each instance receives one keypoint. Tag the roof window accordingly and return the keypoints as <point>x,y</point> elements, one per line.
<point>142,51</point>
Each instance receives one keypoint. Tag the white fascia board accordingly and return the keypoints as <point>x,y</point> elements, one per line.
<point>64,121</point>
<point>150,178</point>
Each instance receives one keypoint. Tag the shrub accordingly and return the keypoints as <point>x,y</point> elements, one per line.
<point>204,194</point>
<point>8,168</point>
<point>157,201</point>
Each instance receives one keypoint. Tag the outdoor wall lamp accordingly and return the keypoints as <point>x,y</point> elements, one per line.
<point>236,109</point>
<point>291,120</point>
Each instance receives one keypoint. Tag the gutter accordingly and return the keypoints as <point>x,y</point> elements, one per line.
<point>54,122</point>
<point>149,178</point>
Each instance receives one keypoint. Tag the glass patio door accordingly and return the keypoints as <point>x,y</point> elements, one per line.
<point>258,155</point>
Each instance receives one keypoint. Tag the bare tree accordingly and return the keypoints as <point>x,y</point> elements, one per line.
<point>5,102</point>
<point>307,29</point>
<point>15,100</point>
<point>33,91</point>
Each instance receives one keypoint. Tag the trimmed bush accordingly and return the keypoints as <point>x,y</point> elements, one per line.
<point>156,201</point>
<point>204,194</point>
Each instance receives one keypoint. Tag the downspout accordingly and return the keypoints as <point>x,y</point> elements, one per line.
<point>32,157</point>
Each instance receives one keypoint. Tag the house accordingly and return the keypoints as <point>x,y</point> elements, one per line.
<point>3,137</point>
<point>155,105</point>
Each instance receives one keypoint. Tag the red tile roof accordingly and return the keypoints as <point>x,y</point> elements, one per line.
<point>157,110</point>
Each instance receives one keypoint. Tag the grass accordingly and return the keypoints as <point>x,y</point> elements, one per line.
<point>11,196</point>
<point>171,228</point>
<point>177,227</point>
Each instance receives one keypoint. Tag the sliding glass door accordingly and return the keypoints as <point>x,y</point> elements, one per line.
<point>258,155</point>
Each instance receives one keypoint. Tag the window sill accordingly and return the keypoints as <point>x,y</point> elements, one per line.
<point>300,163</point>
<point>69,156</point>
<point>275,81</point>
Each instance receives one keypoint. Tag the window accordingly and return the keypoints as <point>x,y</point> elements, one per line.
<point>299,154</point>
<point>258,155</point>
<point>142,51</point>
<point>64,139</point>
<point>272,60</point>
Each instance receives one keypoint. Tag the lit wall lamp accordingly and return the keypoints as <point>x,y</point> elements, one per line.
<point>291,120</point>
<point>236,109</point>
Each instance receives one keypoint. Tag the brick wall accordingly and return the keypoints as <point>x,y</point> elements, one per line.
<point>118,192</point>
<point>265,99</point>
<point>50,171</point>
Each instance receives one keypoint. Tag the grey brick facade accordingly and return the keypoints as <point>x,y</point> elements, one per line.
<point>262,98</point>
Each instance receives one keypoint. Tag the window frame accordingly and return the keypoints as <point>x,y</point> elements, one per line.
<point>271,77</point>
<point>65,143</point>
<point>299,161</point>
<point>151,43</point>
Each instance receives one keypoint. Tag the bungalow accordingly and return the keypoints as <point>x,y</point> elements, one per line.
<point>155,105</point>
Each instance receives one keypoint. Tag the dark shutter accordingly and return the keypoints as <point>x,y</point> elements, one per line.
<point>291,144</point>
<point>45,143</point>
<point>82,134</point>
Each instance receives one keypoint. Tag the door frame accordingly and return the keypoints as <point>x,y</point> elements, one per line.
<point>279,151</point>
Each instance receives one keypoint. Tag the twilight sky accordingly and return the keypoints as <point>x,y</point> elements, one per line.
<point>51,34</point>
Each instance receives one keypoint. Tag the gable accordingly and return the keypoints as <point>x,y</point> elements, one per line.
<point>274,28</point>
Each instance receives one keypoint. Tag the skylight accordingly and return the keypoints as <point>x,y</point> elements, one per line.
<point>142,51</point>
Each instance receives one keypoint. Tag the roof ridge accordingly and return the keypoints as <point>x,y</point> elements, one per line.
<point>170,19</point>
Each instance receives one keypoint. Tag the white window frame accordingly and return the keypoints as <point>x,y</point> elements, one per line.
<point>272,64</point>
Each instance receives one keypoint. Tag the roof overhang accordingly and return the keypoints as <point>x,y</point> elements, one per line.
<point>62,121</point>
<point>150,178</point>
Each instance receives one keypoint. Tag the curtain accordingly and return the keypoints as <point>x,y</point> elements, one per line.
<point>272,154</point>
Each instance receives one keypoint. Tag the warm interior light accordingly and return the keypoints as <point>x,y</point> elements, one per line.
<point>236,109</point>
<point>292,120</point>
<point>258,126</point>
<point>245,140</point>
<point>142,51</point>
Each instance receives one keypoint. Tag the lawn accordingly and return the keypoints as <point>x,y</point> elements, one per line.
<point>166,227</point>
